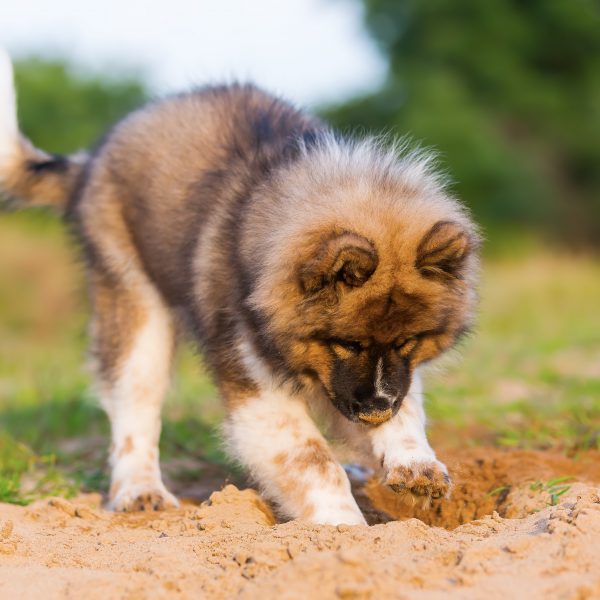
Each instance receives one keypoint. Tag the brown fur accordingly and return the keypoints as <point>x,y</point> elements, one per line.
<point>127,446</point>
<point>119,314</point>
<point>38,177</point>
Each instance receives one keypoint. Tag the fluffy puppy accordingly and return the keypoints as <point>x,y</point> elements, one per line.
<point>311,269</point>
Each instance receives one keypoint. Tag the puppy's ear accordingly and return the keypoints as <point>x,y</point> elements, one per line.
<point>346,258</point>
<point>443,251</point>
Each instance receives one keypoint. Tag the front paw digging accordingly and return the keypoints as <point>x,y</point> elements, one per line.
<point>428,480</point>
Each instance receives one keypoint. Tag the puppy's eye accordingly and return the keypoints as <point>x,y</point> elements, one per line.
<point>406,346</point>
<point>347,346</point>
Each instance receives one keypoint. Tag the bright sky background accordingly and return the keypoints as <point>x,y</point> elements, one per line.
<point>308,50</point>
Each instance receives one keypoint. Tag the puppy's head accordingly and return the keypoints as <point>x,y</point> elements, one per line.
<point>371,278</point>
<point>378,315</point>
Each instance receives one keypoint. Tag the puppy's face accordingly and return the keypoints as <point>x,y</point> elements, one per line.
<point>373,314</point>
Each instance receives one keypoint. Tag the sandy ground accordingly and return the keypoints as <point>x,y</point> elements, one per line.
<point>530,538</point>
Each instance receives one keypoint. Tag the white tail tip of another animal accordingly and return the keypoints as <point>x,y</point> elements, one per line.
<point>9,129</point>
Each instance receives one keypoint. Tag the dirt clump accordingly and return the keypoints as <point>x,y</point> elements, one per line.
<point>231,545</point>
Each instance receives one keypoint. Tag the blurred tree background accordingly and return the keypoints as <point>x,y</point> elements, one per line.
<point>508,92</point>
<point>64,110</point>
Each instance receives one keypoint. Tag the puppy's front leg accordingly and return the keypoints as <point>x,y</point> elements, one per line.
<point>272,434</point>
<point>408,461</point>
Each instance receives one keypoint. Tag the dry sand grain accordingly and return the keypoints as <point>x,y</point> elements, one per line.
<point>231,547</point>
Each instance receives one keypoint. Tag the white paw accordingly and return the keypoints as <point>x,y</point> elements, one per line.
<point>336,516</point>
<point>426,478</point>
<point>142,496</point>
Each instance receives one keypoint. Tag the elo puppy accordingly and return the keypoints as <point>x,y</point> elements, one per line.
<point>315,272</point>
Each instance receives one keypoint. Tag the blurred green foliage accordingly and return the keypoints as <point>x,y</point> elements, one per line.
<point>508,92</point>
<point>62,110</point>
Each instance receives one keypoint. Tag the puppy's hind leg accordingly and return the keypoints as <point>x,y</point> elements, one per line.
<point>133,347</point>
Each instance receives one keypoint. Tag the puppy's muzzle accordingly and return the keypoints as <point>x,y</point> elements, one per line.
<point>374,412</point>
<point>376,417</point>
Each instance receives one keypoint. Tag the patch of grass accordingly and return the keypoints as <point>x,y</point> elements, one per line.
<point>553,488</point>
<point>499,490</point>
<point>529,376</point>
<point>26,476</point>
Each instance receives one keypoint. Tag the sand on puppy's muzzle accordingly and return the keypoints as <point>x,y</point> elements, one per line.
<point>376,417</point>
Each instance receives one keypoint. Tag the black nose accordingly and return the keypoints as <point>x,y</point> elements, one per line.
<point>366,399</point>
<point>364,393</point>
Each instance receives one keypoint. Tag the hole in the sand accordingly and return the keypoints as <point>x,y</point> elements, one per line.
<point>513,484</point>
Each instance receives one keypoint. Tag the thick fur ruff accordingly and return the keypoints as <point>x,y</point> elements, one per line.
<point>311,269</point>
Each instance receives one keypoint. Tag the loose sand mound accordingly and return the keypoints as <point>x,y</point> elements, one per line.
<point>231,546</point>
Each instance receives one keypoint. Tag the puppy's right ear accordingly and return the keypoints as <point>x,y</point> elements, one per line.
<point>347,258</point>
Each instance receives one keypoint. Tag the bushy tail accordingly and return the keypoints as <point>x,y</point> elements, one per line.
<point>26,173</point>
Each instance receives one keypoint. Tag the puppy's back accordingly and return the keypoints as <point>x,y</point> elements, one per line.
<point>180,166</point>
